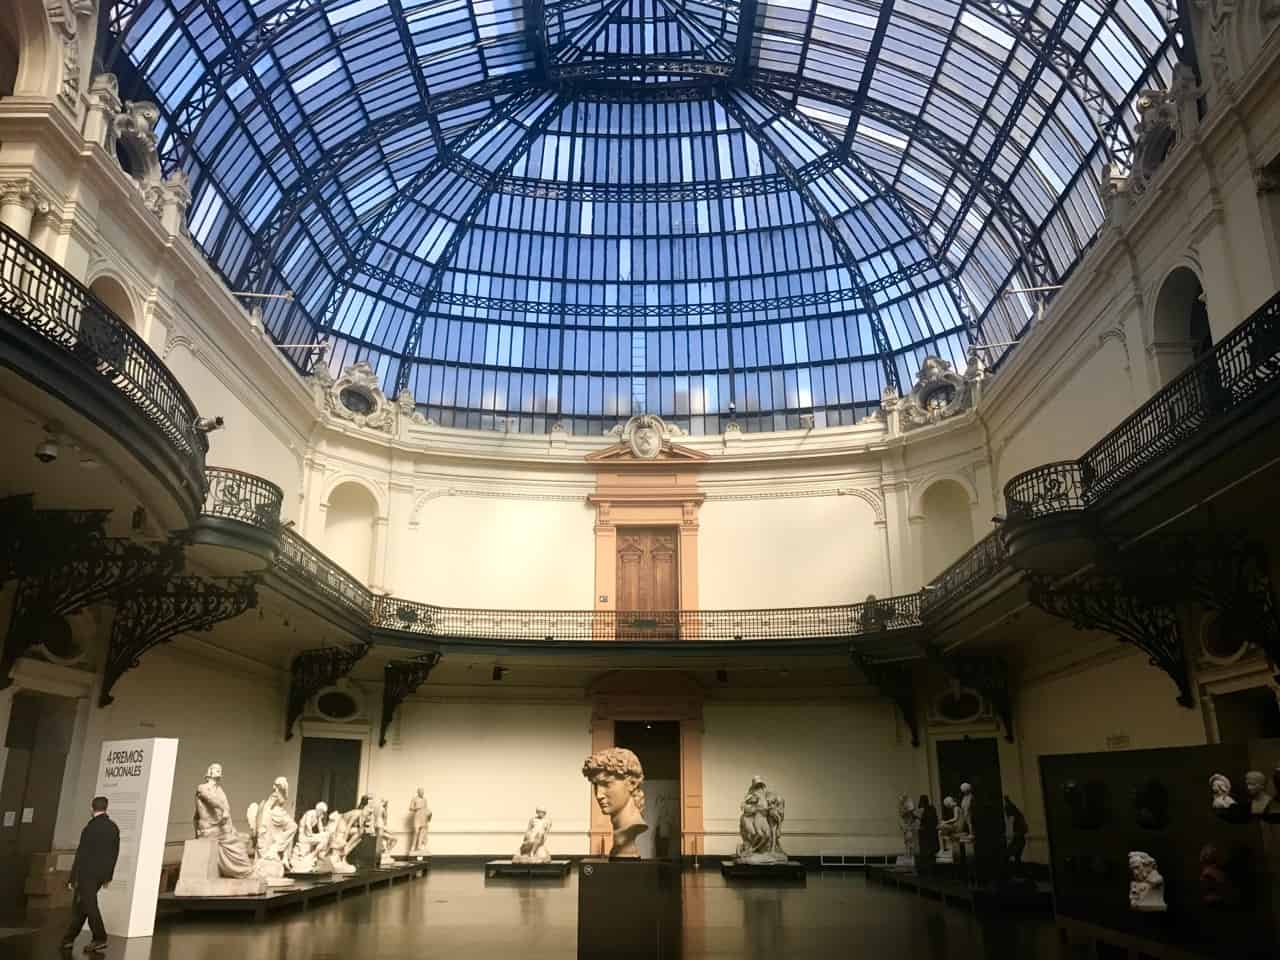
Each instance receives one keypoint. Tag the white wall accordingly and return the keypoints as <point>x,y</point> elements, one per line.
<point>512,553</point>
<point>839,768</point>
<point>789,552</point>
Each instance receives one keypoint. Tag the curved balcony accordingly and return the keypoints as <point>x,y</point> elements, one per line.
<point>241,511</point>
<point>1047,507</point>
<point>60,337</point>
<point>976,565</point>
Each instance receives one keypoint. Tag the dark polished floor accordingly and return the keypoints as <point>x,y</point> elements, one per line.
<point>455,913</point>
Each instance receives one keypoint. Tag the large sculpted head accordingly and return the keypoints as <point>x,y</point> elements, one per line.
<point>615,776</point>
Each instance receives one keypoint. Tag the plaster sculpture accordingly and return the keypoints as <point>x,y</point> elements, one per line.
<point>1146,886</point>
<point>386,842</point>
<point>948,823</point>
<point>421,814</point>
<point>910,825</point>
<point>311,848</point>
<point>218,862</point>
<point>760,825</point>
<point>1220,788</point>
<point>343,837</point>
<point>272,831</point>
<point>533,848</point>
<point>1255,784</point>
<point>616,775</point>
<point>964,824</point>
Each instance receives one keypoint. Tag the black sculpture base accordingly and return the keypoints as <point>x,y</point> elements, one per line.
<point>506,868</point>
<point>629,909</point>
<point>788,870</point>
<point>411,857</point>
<point>365,855</point>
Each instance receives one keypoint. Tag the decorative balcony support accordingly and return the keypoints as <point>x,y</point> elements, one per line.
<point>990,677</point>
<point>894,681</point>
<point>1144,617</point>
<point>312,671</point>
<point>158,612</point>
<point>34,542</point>
<point>400,679</point>
<point>101,568</point>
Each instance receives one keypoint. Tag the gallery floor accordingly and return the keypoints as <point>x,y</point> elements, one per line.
<point>454,912</point>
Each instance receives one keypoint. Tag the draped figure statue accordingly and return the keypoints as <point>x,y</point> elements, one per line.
<point>213,819</point>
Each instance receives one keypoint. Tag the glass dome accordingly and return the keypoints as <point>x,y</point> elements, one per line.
<point>535,212</point>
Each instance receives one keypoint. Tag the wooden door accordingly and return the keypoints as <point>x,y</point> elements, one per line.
<point>328,770</point>
<point>648,582</point>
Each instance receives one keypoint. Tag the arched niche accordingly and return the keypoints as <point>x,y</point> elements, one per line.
<point>1180,328</point>
<point>10,56</point>
<point>350,534</point>
<point>115,298</point>
<point>947,532</point>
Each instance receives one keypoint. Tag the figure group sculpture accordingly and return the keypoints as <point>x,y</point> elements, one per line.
<point>760,825</point>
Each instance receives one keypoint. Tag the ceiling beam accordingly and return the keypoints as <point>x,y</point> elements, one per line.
<point>535,34</point>
<point>868,71</point>
<point>747,14</point>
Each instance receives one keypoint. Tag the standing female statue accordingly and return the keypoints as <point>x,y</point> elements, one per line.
<point>421,818</point>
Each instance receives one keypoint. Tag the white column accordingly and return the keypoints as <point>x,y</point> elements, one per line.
<point>17,206</point>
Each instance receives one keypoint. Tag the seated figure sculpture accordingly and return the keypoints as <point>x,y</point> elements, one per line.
<point>218,862</point>
<point>760,825</point>
<point>272,831</point>
<point>311,848</point>
<point>533,848</point>
<point>616,775</point>
<point>343,838</point>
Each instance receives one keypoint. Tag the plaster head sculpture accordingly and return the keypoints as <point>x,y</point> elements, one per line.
<point>1255,785</point>
<point>1146,886</point>
<point>214,772</point>
<point>1220,788</point>
<point>616,775</point>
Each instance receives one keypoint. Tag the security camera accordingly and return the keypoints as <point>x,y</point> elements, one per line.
<point>208,424</point>
<point>47,450</point>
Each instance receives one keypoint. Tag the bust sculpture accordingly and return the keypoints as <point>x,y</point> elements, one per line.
<point>1215,882</point>
<point>1255,785</point>
<point>760,825</point>
<point>273,830</point>
<point>421,814</point>
<point>1220,789</point>
<point>213,819</point>
<point>1146,886</point>
<point>311,847</point>
<point>533,848</point>
<point>616,775</point>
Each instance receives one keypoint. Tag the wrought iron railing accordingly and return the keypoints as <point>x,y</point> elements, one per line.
<point>299,559</point>
<point>235,495</point>
<point>786,623</point>
<point>977,564</point>
<point>1240,366</point>
<point>1048,489</point>
<point>43,297</point>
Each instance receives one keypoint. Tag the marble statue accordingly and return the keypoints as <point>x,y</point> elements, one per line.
<point>910,825</point>
<point>343,838</point>
<point>311,846</point>
<point>964,829</point>
<point>1255,785</point>
<point>386,842</point>
<point>272,830</point>
<point>217,863</point>
<point>533,848</point>
<point>1146,886</point>
<point>1220,788</point>
<point>947,824</point>
<point>760,825</point>
<point>213,819</point>
<point>616,777</point>
<point>421,814</point>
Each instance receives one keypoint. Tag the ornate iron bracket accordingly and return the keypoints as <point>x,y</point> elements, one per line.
<point>400,679</point>
<point>32,542</point>
<point>103,568</point>
<point>894,682</point>
<point>152,614</point>
<point>990,677</point>
<point>1121,607</point>
<point>312,671</point>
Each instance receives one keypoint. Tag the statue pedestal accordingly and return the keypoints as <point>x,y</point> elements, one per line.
<point>515,868</point>
<point>198,875</point>
<point>629,909</point>
<point>783,870</point>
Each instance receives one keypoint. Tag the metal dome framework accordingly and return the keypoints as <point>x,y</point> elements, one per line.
<point>525,212</point>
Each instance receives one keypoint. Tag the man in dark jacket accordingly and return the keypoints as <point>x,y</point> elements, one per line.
<point>93,868</point>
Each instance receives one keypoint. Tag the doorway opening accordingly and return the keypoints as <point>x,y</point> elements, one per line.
<point>38,740</point>
<point>1246,715</point>
<point>657,744</point>
<point>329,770</point>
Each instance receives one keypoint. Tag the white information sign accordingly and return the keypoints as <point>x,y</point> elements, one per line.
<point>136,777</point>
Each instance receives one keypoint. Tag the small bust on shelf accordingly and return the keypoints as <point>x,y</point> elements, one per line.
<point>1220,789</point>
<point>1146,886</point>
<point>1255,785</point>
<point>616,775</point>
<point>533,848</point>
